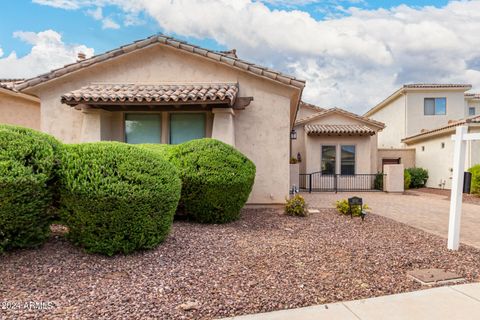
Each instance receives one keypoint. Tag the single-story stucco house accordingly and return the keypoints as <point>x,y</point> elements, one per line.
<point>336,143</point>
<point>18,108</point>
<point>162,90</point>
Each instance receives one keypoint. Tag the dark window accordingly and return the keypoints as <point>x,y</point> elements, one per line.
<point>347,165</point>
<point>471,111</point>
<point>443,145</point>
<point>435,106</point>
<point>328,159</point>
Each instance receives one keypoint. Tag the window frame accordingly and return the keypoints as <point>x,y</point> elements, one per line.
<point>435,113</point>
<point>354,159</point>
<point>335,161</point>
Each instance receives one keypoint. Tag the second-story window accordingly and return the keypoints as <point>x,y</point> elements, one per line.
<point>435,106</point>
<point>471,111</point>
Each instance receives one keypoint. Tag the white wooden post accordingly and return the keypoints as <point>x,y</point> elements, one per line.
<point>457,186</point>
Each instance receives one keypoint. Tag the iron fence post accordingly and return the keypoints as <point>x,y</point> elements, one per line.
<point>310,183</point>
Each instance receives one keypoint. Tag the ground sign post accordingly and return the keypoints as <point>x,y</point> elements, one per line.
<point>460,145</point>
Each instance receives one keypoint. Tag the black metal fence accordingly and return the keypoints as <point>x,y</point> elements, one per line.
<point>318,182</point>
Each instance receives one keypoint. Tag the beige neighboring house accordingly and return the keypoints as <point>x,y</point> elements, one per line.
<point>18,108</point>
<point>162,90</point>
<point>420,119</point>
<point>335,142</point>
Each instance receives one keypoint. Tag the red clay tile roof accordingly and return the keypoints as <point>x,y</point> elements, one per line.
<point>221,57</point>
<point>310,106</point>
<point>337,129</point>
<point>451,125</point>
<point>147,93</point>
<point>10,83</point>
<point>472,95</point>
<point>437,85</point>
<point>349,114</point>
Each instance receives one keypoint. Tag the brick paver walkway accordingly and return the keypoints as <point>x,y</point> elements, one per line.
<point>428,212</point>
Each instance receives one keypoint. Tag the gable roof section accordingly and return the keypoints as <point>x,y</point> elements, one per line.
<point>443,129</point>
<point>418,87</point>
<point>343,112</point>
<point>226,58</point>
<point>310,106</point>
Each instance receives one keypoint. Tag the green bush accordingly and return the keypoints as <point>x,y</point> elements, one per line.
<point>378,182</point>
<point>27,169</point>
<point>407,179</point>
<point>216,179</point>
<point>117,198</point>
<point>343,207</point>
<point>296,206</point>
<point>475,170</point>
<point>419,177</point>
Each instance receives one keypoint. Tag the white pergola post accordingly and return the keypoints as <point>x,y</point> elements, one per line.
<point>460,141</point>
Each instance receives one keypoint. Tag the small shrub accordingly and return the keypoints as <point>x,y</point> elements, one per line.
<point>343,207</point>
<point>407,179</point>
<point>293,160</point>
<point>475,170</point>
<point>419,177</point>
<point>117,198</point>
<point>296,206</point>
<point>216,179</point>
<point>378,182</point>
<point>27,169</point>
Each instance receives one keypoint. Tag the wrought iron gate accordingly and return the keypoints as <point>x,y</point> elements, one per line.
<point>318,182</point>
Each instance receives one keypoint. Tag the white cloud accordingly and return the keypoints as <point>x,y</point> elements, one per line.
<point>1,52</point>
<point>48,52</point>
<point>353,60</point>
<point>107,22</point>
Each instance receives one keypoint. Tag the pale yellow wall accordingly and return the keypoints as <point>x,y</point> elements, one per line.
<point>17,110</point>
<point>262,129</point>
<point>439,161</point>
<point>406,155</point>
<point>362,148</point>
<point>416,120</point>
<point>394,117</point>
<point>475,103</point>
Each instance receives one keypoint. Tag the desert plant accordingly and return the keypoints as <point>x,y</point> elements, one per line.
<point>407,179</point>
<point>475,170</point>
<point>419,177</point>
<point>343,207</point>
<point>116,198</point>
<point>27,169</point>
<point>216,179</point>
<point>296,206</point>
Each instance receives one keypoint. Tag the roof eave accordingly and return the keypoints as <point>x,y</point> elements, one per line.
<point>20,95</point>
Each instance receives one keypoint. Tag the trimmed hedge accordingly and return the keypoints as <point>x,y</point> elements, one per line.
<point>27,173</point>
<point>407,179</point>
<point>117,198</point>
<point>475,170</point>
<point>419,177</point>
<point>216,179</point>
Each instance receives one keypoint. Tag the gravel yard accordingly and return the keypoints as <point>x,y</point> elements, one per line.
<point>265,261</point>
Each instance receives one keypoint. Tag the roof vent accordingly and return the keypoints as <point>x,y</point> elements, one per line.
<point>81,56</point>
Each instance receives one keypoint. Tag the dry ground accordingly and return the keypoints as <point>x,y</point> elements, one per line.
<point>265,261</point>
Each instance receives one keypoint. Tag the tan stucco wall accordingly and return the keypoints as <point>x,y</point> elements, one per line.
<point>261,130</point>
<point>416,120</point>
<point>439,161</point>
<point>406,155</point>
<point>304,112</point>
<point>17,110</point>
<point>393,115</point>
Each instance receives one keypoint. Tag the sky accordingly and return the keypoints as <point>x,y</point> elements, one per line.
<point>352,53</point>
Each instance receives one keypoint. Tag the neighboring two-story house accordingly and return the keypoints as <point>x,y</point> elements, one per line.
<point>420,119</point>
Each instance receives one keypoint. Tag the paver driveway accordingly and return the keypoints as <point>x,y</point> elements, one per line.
<point>422,210</point>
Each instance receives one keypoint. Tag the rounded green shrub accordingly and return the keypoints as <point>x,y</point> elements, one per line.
<point>116,198</point>
<point>216,179</point>
<point>27,169</point>
<point>475,170</point>
<point>419,177</point>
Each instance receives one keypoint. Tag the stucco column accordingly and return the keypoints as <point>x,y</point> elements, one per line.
<point>91,125</point>
<point>223,125</point>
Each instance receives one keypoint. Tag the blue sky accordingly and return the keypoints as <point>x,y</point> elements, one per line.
<point>352,53</point>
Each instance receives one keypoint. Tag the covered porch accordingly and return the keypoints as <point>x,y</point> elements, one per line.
<point>157,113</point>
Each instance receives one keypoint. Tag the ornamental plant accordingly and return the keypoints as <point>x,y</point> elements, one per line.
<point>407,179</point>
<point>216,179</point>
<point>475,170</point>
<point>296,206</point>
<point>116,198</point>
<point>419,177</point>
<point>343,208</point>
<point>28,161</point>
